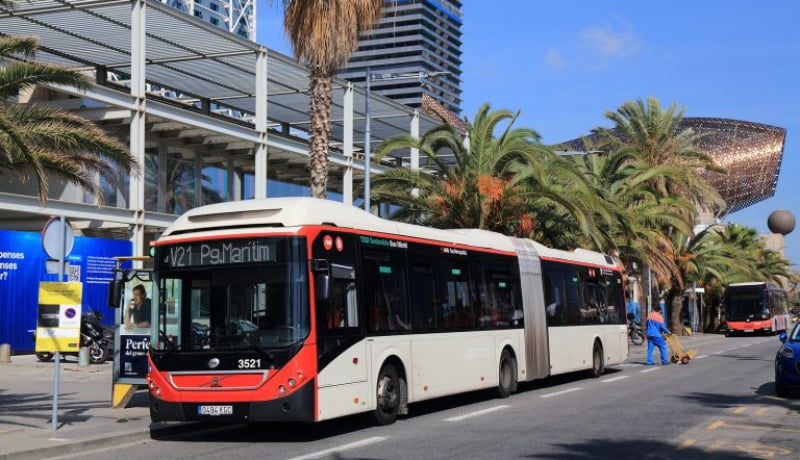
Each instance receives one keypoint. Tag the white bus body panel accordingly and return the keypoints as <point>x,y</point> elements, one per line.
<point>434,365</point>
<point>571,347</point>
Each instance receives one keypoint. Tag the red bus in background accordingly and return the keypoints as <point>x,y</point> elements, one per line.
<point>756,307</point>
<point>301,309</point>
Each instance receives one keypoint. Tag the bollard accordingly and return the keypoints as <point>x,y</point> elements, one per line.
<point>5,353</point>
<point>83,357</point>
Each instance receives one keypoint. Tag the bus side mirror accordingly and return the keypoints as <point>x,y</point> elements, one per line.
<point>322,279</point>
<point>115,288</point>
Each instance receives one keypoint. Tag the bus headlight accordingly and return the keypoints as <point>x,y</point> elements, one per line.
<point>786,352</point>
<point>281,389</point>
<point>292,383</point>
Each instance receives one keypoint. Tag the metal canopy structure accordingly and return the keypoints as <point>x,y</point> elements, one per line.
<point>189,56</point>
<point>181,89</point>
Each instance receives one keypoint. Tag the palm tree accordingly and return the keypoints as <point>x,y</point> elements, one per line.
<point>323,34</point>
<point>720,255</point>
<point>493,182</point>
<point>653,136</point>
<point>37,141</point>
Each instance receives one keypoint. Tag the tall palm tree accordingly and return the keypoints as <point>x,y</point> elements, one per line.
<point>37,141</point>
<point>323,34</point>
<point>478,179</point>
<point>653,135</point>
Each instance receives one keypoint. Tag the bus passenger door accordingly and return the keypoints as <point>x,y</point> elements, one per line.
<point>340,349</point>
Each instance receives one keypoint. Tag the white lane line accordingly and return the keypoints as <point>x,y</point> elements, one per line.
<point>558,393</point>
<point>746,345</point>
<point>701,357</point>
<point>614,379</point>
<point>352,445</point>
<point>475,414</point>
<point>715,353</point>
<point>649,370</point>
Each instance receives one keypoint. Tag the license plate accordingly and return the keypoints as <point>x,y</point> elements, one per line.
<point>748,330</point>
<point>215,410</point>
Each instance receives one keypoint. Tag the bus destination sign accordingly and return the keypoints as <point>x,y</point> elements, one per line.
<point>211,253</point>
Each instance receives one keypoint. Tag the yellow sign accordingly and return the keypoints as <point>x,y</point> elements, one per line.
<point>58,326</point>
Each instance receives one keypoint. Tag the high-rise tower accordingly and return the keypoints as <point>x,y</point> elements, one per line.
<point>237,16</point>
<point>414,38</point>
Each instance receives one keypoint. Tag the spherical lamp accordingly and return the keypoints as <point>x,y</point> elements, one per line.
<point>781,221</point>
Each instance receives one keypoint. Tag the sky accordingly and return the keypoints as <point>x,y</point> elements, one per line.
<point>564,64</point>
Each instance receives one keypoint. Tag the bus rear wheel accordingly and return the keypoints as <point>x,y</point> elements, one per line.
<point>507,378</point>
<point>387,395</point>
<point>598,362</point>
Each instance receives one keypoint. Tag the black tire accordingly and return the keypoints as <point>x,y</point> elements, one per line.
<point>781,390</point>
<point>97,353</point>
<point>598,361</point>
<point>637,338</point>
<point>387,395</point>
<point>45,356</point>
<point>507,377</point>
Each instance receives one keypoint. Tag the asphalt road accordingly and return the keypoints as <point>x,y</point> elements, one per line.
<point>721,405</point>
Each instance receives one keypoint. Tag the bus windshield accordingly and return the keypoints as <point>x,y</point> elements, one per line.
<point>744,303</point>
<point>245,302</point>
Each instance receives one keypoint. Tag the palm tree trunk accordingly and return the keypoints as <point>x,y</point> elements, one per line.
<point>320,100</point>
<point>676,310</point>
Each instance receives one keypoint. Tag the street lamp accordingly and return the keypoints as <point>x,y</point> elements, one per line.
<point>367,122</point>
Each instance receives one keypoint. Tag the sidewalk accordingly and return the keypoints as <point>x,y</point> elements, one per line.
<point>85,416</point>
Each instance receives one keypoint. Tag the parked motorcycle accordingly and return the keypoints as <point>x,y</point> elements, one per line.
<point>635,332</point>
<point>94,335</point>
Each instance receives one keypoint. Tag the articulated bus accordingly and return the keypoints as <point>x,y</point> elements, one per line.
<point>301,309</point>
<point>756,307</point>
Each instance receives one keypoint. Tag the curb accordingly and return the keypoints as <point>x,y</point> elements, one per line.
<point>100,442</point>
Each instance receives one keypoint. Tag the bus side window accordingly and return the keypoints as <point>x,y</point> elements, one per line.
<point>385,291</point>
<point>340,310</point>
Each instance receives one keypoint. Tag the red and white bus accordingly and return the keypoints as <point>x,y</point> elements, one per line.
<point>756,307</point>
<point>305,310</point>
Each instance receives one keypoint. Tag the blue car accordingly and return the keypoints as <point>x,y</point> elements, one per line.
<point>787,363</point>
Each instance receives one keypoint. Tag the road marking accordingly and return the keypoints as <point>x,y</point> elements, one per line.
<point>715,353</point>
<point>763,428</point>
<point>352,445</point>
<point>57,439</point>
<point>614,379</point>
<point>475,414</point>
<point>746,345</point>
<point>649,370</point>
<point>701,357</point>
<point>761,411</point>
<point>739,410</point>
<point>687,443</point>
<point>558,393</point>
<point>715,425</point>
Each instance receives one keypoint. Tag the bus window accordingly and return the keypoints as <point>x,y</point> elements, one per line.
<point>340,310</point>
<point>456,303</point>
<point>423,294</point>
<point>384,291</point>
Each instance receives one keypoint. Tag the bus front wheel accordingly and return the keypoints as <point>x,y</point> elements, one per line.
<point>387,395</point>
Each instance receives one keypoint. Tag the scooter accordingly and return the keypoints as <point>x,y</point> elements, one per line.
<point>635,331</point>
<point>94,335</point>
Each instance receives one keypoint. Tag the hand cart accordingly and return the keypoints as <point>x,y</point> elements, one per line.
<point>676,350</point>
